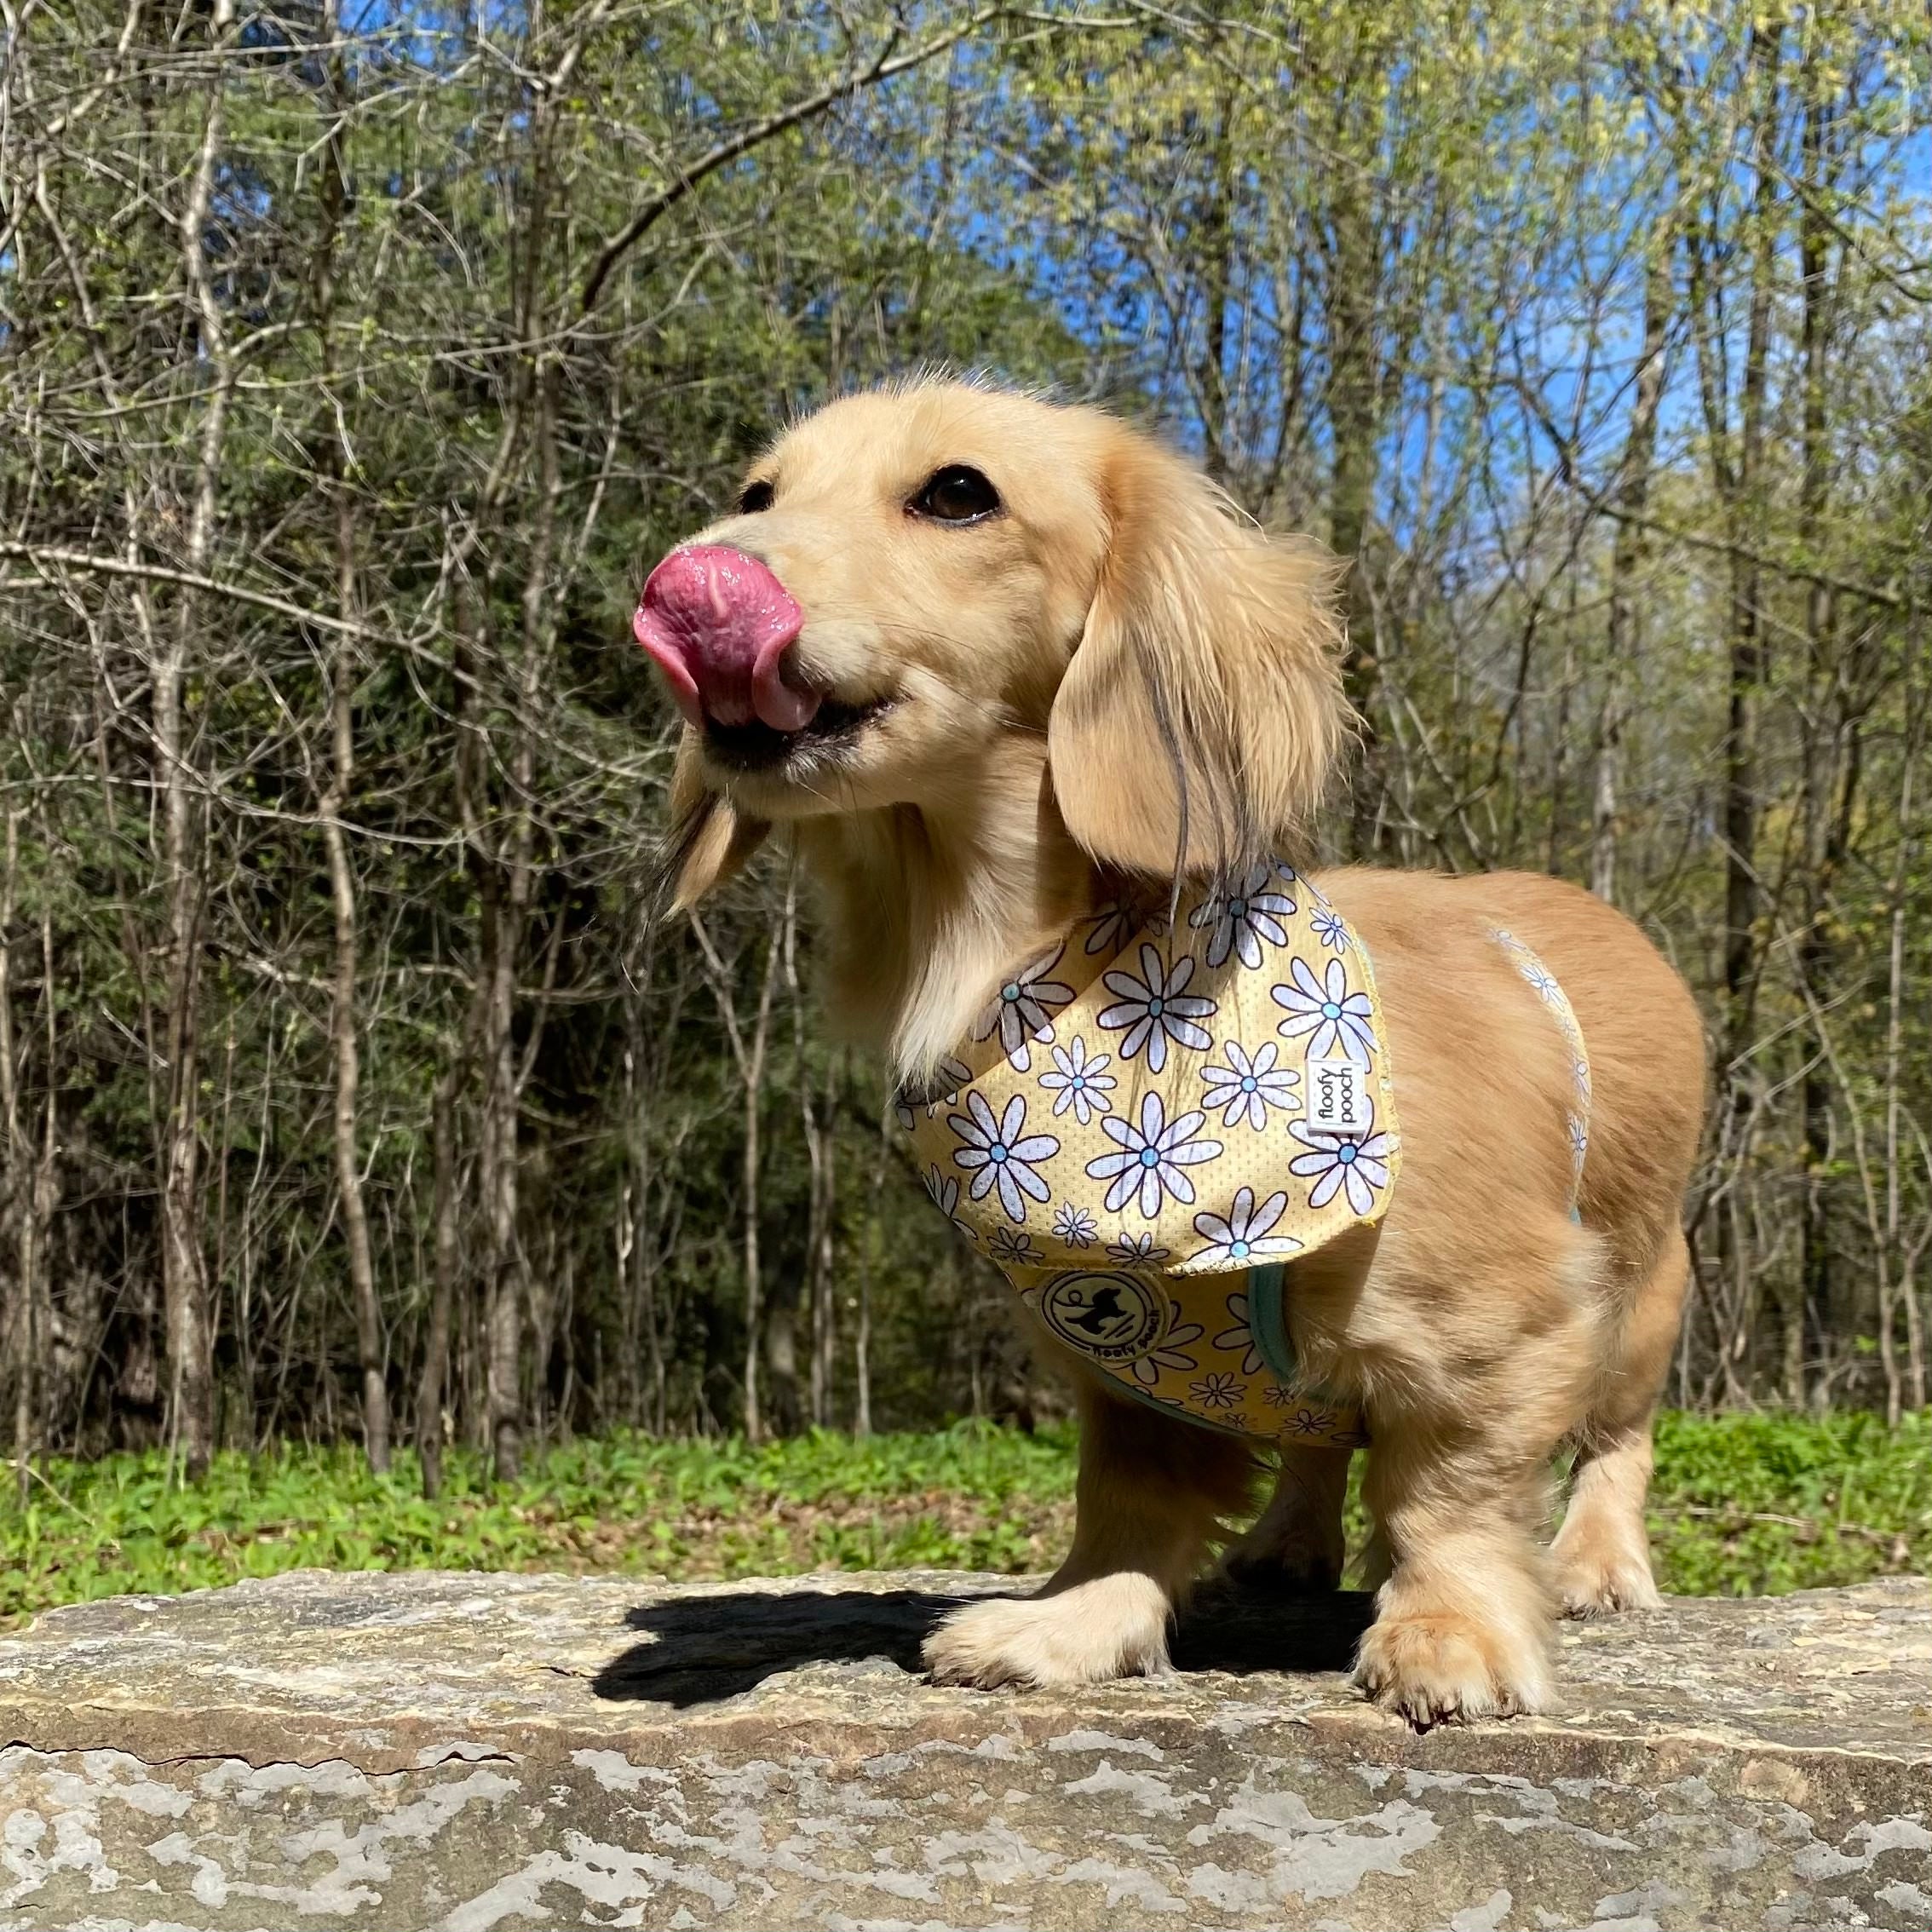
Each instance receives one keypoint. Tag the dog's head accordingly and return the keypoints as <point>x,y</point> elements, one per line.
<point>911,577</point>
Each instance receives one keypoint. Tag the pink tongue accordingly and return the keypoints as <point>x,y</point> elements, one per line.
<point>718,623</point>
<point>777,703</point>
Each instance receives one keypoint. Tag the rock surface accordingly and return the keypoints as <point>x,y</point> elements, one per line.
<point>473,1753</point>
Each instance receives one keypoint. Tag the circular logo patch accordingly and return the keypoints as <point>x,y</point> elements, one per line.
<point>1114,1318</point>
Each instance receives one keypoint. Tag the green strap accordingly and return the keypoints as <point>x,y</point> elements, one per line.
<point>1268,1320</point>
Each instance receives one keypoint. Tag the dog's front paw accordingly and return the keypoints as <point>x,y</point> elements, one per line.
<point>1111,1627</point>
<point>1444,1667</point>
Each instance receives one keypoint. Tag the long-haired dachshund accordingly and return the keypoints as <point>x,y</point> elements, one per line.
<point>1001,669</point>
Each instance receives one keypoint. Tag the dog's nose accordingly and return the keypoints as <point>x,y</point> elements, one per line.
<point>718,623</point>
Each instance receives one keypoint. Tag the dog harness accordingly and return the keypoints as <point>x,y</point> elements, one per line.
<point>1148,1124</point>
<point>1543,983</point>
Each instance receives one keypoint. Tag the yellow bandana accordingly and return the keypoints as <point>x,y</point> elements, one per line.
<point>1146,1125</point>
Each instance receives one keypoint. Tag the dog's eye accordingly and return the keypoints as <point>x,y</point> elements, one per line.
<point>755,497</point>
<point>955,494</point>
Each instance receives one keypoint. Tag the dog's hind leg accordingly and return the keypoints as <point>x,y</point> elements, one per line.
<point>1295,1546</point>
<point>1602,1552</point>
<point>1153,1492</point>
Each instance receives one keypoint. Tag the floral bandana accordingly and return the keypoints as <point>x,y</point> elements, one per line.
<point>1146,1125</point>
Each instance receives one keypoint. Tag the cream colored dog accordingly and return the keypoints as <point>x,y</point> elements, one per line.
<point>986,659</point>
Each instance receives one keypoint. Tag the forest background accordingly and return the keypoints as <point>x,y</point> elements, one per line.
<point>356,358</point>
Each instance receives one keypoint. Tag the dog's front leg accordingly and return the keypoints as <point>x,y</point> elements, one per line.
<point>1464,1621</point>
<point>1152,1492</point>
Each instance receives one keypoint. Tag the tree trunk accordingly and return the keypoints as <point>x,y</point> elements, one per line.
<point>752,1070</point>
<point>1629,552</point>
<point>1353,283</point>
<point>430,1389</point>
<point>190,1341</point>
<point>1739,484</point>
<point>16,1206</point>
<point>333,189</point>
<point>1831,751</point>
<point>823,1141</point>
<point>1216,228</point>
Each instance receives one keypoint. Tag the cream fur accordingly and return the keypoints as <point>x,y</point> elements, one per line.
<point>1054,682</point>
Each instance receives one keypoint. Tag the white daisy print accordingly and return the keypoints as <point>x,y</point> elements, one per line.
<point>1154,1157</point>
<point>1170,1354</point>
<point>1338,1161</point>
<point>954,1078</point>
<point>1022,1009</point>
<point>1112,926</point>
<point>1136,1251</point>
<point>950,1078</point>
<point>1330,930</point>
<point>1011,1249</point>
<point>943,1188</point>
<point>1545,987</point>
<point>1306,1421</point>
<point>1245,915</point>
<point>1244,1236</point>
<point>1080,1080</point>
<point>1240,1338</point>
<point>1156,1008</point>
<point>1245,1089</point>
<point>1075,1226</point>
<point>1002,1153</point>
<point>1334,1021</point>
<point>1219,1391</point>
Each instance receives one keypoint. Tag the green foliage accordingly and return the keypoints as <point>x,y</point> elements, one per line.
<point>1740,1504</point>
<point>1758,1506</point>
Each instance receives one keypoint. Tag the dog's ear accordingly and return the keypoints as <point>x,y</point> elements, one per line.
<point>710,840</point>
<point>1202,715</point>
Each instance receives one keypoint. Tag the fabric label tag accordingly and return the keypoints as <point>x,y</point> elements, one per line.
<point>1338,1097</point>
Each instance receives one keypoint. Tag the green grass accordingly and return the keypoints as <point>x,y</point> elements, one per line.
<point>1740,1504</point>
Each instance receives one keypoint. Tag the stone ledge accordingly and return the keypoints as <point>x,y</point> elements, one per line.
<point>480,1751</point>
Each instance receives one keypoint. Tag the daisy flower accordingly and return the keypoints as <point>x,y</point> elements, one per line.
<point>1012,1249</point>
<point>1112,927</point>
<point>1081,1081</point>
<point>1156,1008</point>
<point>1245,915</point>
<point>951,1077</point>
<point>1022,1009</point>
<point>1330,930</point>
<point>1000,1153</point>
<point>1170,1354</point>
<point>1244,1236</point>
<point>1247,1088</point>
<point>1335,1022</point>
<point>944,1190</point>
<point>1152,1157</point>
<point>1240,1338</point>
<point>1357,1163</point>
<point>1219,1391</point>
<point>1075,1226</point>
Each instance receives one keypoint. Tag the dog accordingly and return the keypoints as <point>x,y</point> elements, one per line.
<point>996,665</point>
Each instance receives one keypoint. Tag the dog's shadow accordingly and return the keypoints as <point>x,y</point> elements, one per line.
<point>705,1648</point>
